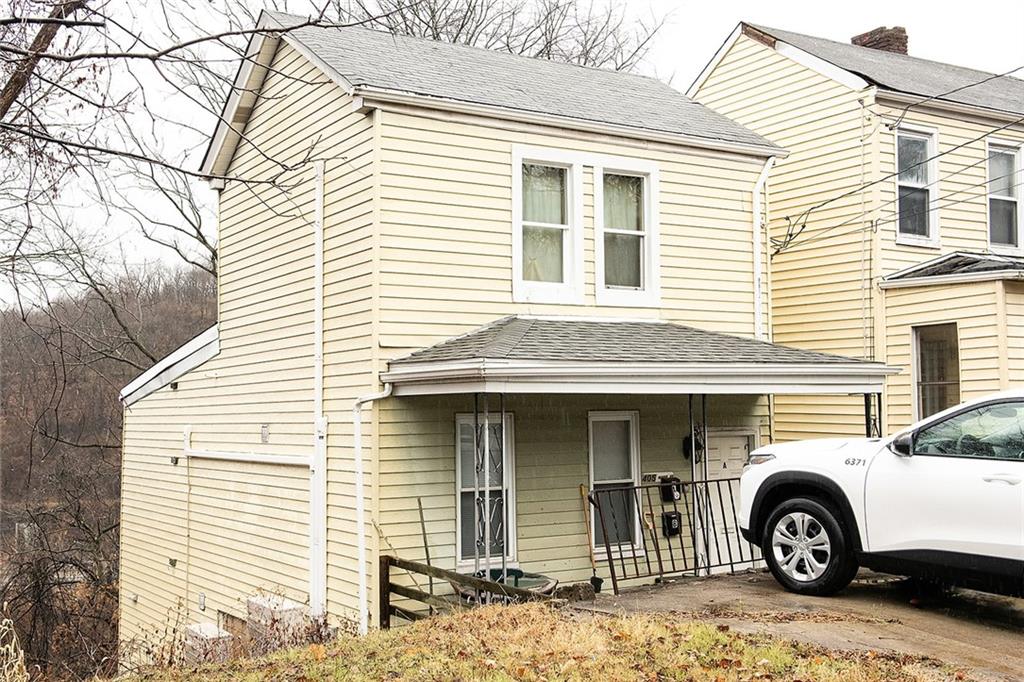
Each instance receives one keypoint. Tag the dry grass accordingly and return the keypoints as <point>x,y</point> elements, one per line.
<point>12,658</point>
<point>534,642</point>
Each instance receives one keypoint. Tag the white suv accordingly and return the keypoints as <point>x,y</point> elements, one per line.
<point>942,500</point>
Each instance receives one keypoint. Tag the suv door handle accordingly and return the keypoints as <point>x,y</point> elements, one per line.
<point>1001,478</point>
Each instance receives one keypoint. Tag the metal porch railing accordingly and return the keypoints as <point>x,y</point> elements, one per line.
<point>671,527</point>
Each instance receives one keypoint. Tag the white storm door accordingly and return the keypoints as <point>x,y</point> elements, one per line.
<point>727,455</point>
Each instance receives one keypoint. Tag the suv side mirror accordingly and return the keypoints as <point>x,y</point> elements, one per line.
<point>903,445</point>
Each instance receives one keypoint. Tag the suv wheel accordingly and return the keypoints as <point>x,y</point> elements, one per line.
<point>806,548</point>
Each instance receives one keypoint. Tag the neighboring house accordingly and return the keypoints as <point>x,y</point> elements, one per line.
<point>417,237</point>
<point>895,165</point>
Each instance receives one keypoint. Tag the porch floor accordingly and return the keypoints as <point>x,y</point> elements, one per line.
<point>967,629</point>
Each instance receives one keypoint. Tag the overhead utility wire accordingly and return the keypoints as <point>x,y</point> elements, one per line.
<point>864,214</point>
<point>781,245</point>
<point>932,98</point>
<point>894,216</point>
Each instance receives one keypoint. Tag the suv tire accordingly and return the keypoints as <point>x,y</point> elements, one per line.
<point>807,549</point>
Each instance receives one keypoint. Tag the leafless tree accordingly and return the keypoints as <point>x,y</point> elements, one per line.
<point>105,111</point>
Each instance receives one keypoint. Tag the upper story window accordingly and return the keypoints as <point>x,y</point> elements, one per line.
<point>626,232</point>
<point>548,232</point>
<point>1004,197</point>
<point>916,187</point>
<point>547,239</point>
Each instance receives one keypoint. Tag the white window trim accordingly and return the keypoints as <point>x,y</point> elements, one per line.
<point>932,136</point>
<point>570,291</point>
<point>915,364</point>
<point>633,417</point>
<point>510,486</point>
<point>650,295</point>
<point>1017,148</point>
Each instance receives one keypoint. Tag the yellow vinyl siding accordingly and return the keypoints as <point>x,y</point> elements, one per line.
<point>235,529</point>
<point>961,188</point>
<point>446,212</point>
<point>1014,340</point>
<point>417,460</point>
<point>974,308</point>
<point>820,287</point>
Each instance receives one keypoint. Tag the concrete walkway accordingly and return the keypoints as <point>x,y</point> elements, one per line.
<point>982,634</point>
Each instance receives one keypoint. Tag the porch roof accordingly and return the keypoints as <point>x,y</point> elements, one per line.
<point>525,354</point>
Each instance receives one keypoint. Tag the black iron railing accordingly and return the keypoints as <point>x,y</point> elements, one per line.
<point>671,527</point>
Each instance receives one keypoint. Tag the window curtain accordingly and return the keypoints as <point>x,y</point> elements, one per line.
<point>623,210</point>
<point>544,201</point>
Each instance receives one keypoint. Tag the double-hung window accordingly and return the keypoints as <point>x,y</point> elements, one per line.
<point>548,187</point>
<point>547,240</point>
<point>497,481</point>
<point>626,225</point>
<point>615,466</point>
<point>916,188</point>
<point>1004,197</point>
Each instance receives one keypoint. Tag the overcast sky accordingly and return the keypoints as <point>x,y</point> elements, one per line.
<point>987,36</point>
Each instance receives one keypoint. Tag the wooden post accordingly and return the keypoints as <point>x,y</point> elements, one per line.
<point>384,592</point>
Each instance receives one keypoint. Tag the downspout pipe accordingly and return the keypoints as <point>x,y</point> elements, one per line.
<point>758,248</point>
<point>357,454</point>
<point>318,463</point>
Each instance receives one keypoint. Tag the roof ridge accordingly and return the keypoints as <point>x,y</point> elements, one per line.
<point>362,26</point>
<point>769,30</point>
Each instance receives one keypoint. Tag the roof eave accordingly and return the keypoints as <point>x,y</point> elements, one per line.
<point>957,278</point>
<point>259,55</point>
<point>380,98</point>
<point>176,364</point>
<point>922,101</point>
<point>517,376</point>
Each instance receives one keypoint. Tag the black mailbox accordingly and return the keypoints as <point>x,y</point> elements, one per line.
<point>671,523</point>
<point>671,489</point>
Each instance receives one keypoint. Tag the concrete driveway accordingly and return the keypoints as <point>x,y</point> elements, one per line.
<point>979,633</point>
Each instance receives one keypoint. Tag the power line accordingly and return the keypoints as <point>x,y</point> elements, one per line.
<point>792,234</point>
<point>864,214</point>
<point>931,98</point>
<point>894,216</point>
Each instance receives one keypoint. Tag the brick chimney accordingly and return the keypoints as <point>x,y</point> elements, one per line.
<point>882,38</point>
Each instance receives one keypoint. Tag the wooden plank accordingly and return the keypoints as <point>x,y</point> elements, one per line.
<point>466,580</point>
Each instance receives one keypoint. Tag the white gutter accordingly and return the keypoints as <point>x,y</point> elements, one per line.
<point>960,278</point>
<point>357,454</point>
<point>373,97</point>
<point>318,468</point>
<point>758,248</point>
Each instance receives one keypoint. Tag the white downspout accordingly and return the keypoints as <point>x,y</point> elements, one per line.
<point>318,464</point>
<point>357,454</point>
<point>758,226</point>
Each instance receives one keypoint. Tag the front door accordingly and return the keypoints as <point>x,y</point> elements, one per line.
<point>723,548</point>
<point>958,501</point>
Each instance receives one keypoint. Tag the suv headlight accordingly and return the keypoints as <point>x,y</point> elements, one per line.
<point>759,458</point>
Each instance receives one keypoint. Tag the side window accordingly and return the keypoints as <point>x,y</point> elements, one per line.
<point>993,431</point>
<point>914,157</point>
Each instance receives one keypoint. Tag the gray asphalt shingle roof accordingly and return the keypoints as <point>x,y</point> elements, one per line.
<point>961,263</point>
<point>912,75</point>
<point>524,338</point>
<point>430,68</point>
